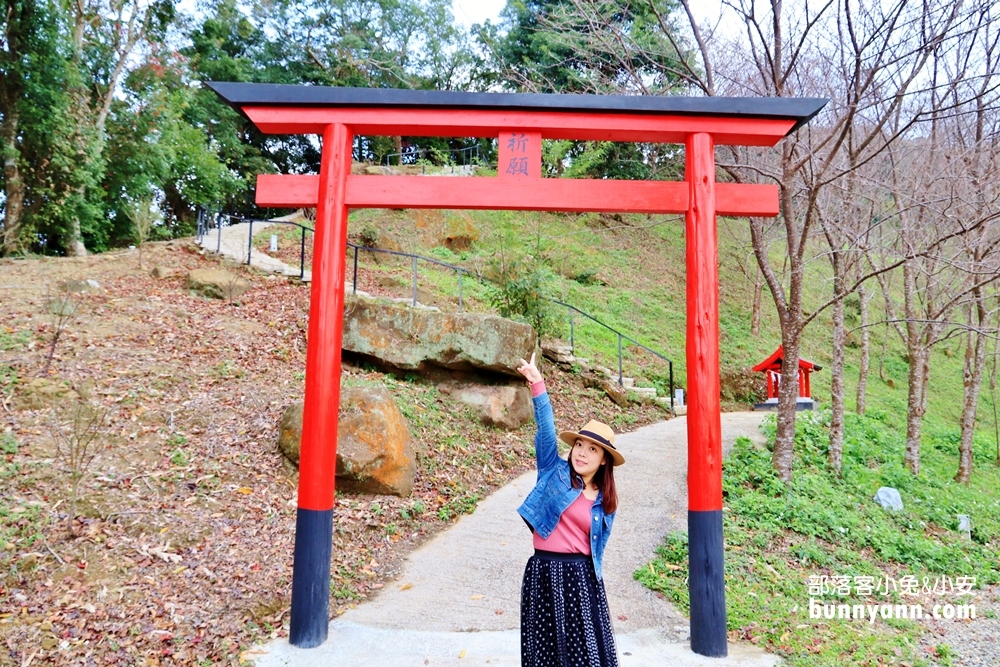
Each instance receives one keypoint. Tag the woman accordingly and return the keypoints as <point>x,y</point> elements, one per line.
<point>564,613</point>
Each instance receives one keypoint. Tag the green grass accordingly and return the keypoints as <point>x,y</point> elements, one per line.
<point>630,274</point>
<point>777,538</point>
<point>13,340</point>
<point>20,525</point>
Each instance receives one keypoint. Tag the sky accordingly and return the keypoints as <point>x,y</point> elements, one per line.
<point>467,12</point>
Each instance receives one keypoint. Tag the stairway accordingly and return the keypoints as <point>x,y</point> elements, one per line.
<point>562,354</point>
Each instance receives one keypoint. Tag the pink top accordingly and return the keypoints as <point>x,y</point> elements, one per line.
<point>572,533</point>
<point>537,388</point>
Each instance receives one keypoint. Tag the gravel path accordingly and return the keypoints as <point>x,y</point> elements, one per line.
<point>467,579</point>
<point>974,642</point>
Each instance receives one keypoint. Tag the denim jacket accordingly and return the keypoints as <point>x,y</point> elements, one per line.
<point>554,491</point>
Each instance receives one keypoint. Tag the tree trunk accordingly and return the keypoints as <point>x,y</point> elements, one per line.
<point>758,291</point>
<point>993,395</point>
<point>788,394</point>
<point>836,452</point>
<point>865,361</point>
<point>972,381</point>
<point>13,184</point>
<point>74,239</point>
<point>914,413</point>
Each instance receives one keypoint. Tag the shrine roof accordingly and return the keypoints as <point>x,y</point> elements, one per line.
<point>241,95</point>
<point>774,362</point>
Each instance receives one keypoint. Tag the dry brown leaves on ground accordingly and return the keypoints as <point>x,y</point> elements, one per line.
<point>179,549</point>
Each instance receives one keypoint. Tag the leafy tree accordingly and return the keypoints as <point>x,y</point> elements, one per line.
<point>104,37</point>
<point>362,43</point>
<point>590,46</point>
<point>33,104</point>
<point>157,153</point>
<point>230,45</point>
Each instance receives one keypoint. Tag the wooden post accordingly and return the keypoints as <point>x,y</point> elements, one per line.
<point>318,453</point>
<point>706,583</point>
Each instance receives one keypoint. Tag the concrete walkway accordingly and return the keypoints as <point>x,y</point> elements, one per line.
<point>457,600</point>
<point>235,244</point>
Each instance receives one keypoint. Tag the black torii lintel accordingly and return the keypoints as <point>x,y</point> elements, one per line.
<point>240,95</point>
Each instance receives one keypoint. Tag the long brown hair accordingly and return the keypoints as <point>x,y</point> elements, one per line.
<point>604,480</point>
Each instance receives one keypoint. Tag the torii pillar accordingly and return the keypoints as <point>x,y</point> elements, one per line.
<point>519,122</point>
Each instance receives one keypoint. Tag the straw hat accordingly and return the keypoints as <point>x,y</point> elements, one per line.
<point>597,433</point>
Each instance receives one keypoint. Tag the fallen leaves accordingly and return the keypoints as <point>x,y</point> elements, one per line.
<point>184,552</point>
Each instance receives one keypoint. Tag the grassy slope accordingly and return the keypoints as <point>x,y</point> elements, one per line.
<point>630,274</point>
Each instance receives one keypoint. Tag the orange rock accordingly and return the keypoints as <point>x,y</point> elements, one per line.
<point>374,445</point>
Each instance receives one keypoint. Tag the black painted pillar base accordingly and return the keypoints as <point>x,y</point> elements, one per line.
<point>707,584</point>
<point>310,620</point>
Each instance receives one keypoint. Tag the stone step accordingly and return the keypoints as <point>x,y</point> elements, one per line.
<point>557,352</point>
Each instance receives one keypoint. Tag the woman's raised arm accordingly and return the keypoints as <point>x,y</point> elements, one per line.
<point>546,448</point>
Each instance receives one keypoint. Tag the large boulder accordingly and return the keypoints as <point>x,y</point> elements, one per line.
<point>374,446</point>
<point>216,284</point>
<point>506,406</point>
<point>417,339</point>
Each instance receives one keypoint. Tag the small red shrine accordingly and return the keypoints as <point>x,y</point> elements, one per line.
<point>771,367</point>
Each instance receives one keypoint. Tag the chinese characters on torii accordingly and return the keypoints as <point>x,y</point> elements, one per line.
<point>517,166</point>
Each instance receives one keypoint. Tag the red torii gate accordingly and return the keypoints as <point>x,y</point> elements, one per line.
<point>519,122</point>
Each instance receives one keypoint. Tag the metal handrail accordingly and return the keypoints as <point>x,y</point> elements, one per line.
<point>219,216</point>
<point>420,153</point>
<point>460,271</point>
<point>621,336</point>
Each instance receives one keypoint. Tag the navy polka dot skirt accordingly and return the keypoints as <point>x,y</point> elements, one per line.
<point>564,614</point>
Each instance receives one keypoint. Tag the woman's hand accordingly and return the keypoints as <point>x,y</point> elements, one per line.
<point>529,370</point>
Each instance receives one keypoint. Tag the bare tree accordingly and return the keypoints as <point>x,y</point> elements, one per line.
<point>143,219</point>
<point>868,60</point>
<point>975,131</point>
<point>80,434</point>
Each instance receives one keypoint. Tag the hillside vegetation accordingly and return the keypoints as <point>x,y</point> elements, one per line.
<point>628,271</point>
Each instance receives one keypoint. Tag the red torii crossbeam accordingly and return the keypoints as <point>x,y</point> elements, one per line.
<point>519,122</point>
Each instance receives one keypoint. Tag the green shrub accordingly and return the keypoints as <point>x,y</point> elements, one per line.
<point>519,291</point>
